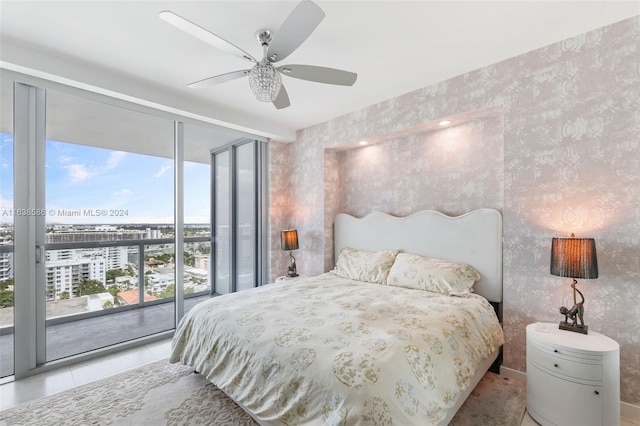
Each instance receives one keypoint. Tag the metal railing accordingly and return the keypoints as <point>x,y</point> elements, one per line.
<point>140,244</point>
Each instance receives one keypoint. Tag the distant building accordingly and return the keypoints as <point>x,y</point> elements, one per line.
<point>106,233</point>
<point>160,282</point>
<point>201,274</point>
<point>6,260</point>
<point>97,302</point>
<point>66,274</point>
<point>154,263</point>
<point>130,297</point>
<point>126,283</point>
<point>152,234</point>
<point>116,257</point>
<point>202,261</point>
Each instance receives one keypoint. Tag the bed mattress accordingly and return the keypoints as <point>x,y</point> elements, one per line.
<point>332,351</point>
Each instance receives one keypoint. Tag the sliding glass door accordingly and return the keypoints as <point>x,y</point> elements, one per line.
<point>109,237</point>
<point>239,217</point>
<point>198,267</point>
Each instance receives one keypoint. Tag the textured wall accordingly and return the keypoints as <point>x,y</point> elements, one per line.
<point>453,170</point>
<point>279,207</point>
<point>568,161</point>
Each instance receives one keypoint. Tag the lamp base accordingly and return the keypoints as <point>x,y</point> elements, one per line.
<point>292,271</point>
<point>575,328</point>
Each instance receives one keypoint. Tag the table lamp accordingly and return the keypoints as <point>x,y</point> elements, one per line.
<point>574,258</point>
<point>289,241</point>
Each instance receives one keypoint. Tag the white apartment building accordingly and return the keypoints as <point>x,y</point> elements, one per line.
<point>66,268</point>
<point>116,257</point>
<point>160,282</point>
<point>65,275</point>
<point>6,260</point>
<point>152,234</point>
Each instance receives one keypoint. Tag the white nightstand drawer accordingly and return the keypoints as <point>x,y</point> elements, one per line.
<point>572,355</point>
<point>566,366</point>
<point>554,401</point>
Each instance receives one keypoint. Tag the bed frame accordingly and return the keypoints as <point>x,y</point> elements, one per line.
<point>474,238</point>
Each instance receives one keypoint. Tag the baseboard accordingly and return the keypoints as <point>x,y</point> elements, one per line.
<point>627,410</point>
<point>513,374</point>
<point>630,411</point>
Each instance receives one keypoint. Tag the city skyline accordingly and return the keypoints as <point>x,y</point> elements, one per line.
<point>90,185</point>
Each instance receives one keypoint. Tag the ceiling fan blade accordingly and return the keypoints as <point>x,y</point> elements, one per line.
<point>295,30</point>
<point>282,100</point>
<point>222,78</point>
<point>319,74</point>
<point>204,35</point>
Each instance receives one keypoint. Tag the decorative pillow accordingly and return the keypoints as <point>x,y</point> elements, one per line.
<point>364,265</point>
<point>426,273</point>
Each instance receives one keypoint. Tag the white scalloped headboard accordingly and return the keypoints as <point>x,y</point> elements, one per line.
<point>474,238</point>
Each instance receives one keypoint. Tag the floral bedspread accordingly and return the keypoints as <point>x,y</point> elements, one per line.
<point>331,351</point>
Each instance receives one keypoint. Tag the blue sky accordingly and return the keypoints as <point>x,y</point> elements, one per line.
<point>80,178</point>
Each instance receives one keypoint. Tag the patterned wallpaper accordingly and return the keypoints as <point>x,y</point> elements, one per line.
<point>550,138</point>
<point>446,170</point>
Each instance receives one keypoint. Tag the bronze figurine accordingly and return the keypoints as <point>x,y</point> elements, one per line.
<point>575,314</point>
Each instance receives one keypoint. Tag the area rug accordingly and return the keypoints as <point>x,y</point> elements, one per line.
<point>172,394</point>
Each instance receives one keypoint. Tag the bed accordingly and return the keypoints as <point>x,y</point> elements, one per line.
<point>370,342</point>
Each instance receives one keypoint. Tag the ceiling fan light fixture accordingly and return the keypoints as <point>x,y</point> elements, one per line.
<point>265,81</point>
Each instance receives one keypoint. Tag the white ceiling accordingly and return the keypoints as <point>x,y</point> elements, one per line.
<point>394,46</point>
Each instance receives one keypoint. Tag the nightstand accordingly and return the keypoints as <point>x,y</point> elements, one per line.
<point>285,278</point>
<point>572,378</point>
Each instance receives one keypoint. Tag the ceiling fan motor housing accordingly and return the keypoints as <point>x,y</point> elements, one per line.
<point>264,37</point>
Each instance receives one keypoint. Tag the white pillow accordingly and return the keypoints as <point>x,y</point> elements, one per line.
<point>425,273</point>
<point>364,265</point>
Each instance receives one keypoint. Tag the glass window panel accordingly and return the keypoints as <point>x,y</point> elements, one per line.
<point>199,141</point>
<point>222,231</point>
<point>197,227</point>
<point>6,228</point>
<point>109,188</point>
<point>245,217</point>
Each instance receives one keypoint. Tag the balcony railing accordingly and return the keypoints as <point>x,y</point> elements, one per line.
<point>140,246</point>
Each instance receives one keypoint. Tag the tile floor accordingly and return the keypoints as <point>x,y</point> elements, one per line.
<point>45,384</point>
<point>14,393</point>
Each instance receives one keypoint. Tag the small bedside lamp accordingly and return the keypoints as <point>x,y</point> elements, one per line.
<point>289,241</point>
<point>574,258</point>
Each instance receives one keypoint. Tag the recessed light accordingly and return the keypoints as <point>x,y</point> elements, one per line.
<point>444,123</point>
<point>363,142</point>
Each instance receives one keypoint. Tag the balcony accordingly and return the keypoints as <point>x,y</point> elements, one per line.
<point>122,309</point>
<point>67,336</point>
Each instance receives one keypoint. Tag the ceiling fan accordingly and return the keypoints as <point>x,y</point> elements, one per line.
<point>264,77</point>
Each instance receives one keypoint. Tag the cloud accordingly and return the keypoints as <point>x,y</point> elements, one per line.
<point>114,159</point>
<point>123,193</point>
<point>64,159</point>
<point>78,172</point>
<point>162,170</point>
